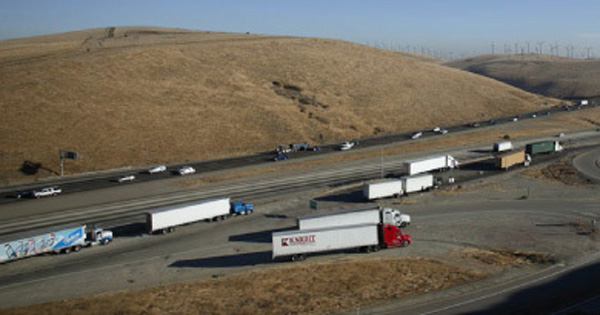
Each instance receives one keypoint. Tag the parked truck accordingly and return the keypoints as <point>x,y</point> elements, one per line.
<point>506,160</point>
<point>372,214</point>
<point>503,146</point>
<point>432,163</point>
<point>416,183</point>
<point>165,219</point>
<point>60,240</point>
<point>382,189</point>
<point>543,147</point>
<point>296,244</point>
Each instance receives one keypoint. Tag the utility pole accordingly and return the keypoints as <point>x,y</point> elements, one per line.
<point>541,47</point>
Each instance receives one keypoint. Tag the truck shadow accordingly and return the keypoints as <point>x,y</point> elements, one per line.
<point>130,230</point>
<point>487,165</point>
<point>257,237</point>
<point>239,260</point>
<point>355,196</point>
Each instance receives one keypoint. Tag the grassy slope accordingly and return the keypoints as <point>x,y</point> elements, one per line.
<point>545,75</point>
<point>142,96</point>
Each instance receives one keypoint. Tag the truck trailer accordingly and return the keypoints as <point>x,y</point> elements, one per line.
<point>416,183</point>
<point>506,160</point>
<point>543,147</point>
<point>365,215</point>
<point>165,219</point>
<point>503,146</point>
<point>432,163</point>
<point>382,189</point>
<point>296,244</point>
<point>60,240</point>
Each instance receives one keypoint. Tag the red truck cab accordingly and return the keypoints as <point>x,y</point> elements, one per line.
<point>393,236</point>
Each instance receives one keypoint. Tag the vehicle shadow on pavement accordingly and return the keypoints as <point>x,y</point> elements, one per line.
<point>130,230</point>
<point>355,196</point>
<point>562,294</point>
<point>257,237</point>
<point>240,260</point>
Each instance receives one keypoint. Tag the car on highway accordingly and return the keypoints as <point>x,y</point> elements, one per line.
<point>280,157</point>
<point>492,122</point>
<point>157,169</point>
<point>186,170</point>
<point>46,192</point>
<point>475,125</point>
<point>416,135</point>
<point>126,178</point>
<point>346,145</point>
<point>515,119</point>
<point>443,131</point>
<point>436,129</point>
<point>24,194</point>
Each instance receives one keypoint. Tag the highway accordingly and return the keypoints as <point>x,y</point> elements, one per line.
<point>87,182</point>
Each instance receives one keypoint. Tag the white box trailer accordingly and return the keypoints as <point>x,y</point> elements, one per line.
<point>300,242</point>
<point>366,215</point>
<point>165,219</point>
<point>416,183</point>
<point>382,189</point>
<point>503,146</point>
<point>355,216</point>
<point>432,163</point>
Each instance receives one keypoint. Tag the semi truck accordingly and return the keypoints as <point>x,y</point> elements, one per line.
<point>165,219</point>
<point>372,214</point>
<point>503,146</point>
<point>58,240</point>
<point>296,244</point>
<point>432,163</point>
<point>506,160</point>
<point>382,189</point>
<point>543,147</point>
<point>416,183</point>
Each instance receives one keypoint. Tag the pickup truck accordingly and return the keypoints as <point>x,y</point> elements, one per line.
<point>48,191</point>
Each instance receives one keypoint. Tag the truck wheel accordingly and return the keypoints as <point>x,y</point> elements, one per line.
<point>164,231</point>
<point>77,248</point>
<point>404,243</point>
<point>67,250</point>
<point>375,248</point>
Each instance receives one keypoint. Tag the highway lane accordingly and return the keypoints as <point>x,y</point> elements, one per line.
<point>589,164</point>
<point>87,182</point>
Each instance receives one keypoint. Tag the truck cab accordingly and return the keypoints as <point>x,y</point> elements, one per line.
<point>394,217</point>
<point>99,236</point>
<point>392,236</point>
<point>241,208</point>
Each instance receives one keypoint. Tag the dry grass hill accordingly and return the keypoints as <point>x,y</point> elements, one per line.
<point>139,96</point>
<point>546,75</point>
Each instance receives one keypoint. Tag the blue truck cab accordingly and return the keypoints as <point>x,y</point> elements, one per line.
<point>241,208</point>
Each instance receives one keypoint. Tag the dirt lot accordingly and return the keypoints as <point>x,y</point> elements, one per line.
<point>302,289</point>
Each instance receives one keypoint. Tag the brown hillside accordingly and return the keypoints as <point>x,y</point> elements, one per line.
<point>138,96</point>
<point>551,76</point>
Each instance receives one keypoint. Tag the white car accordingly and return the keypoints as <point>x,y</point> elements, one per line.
<point>436,129</point>
<point>443,131</point>
<point>346,145</point>
<point>186,170</point>
<point>416,135</point>
<point>158,169</point>
<point>126,178</point>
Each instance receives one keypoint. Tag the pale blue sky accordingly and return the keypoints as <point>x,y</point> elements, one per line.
<point>452,26</point>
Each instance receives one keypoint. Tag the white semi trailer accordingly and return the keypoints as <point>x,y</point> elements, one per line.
<point>503,146</point>
<point>417,183</point>
<point>165,219</point>
<point>432,163</point>
<point>365,215</point>
<point>295,244</point>
<point>382,189</point>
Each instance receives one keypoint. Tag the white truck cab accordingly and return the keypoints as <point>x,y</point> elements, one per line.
<point>395,217</point>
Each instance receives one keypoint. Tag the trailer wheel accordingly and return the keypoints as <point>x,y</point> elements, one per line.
<point>298,257</point>
<point>217,219</point>
<point>67,250</point>
<point>375,248</point>
<point>171,230</point>
<point>77,248</point>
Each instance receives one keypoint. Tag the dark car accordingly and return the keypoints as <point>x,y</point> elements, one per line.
<point>492,121</point>
<point>24,194</point>
<point>281,157</point>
